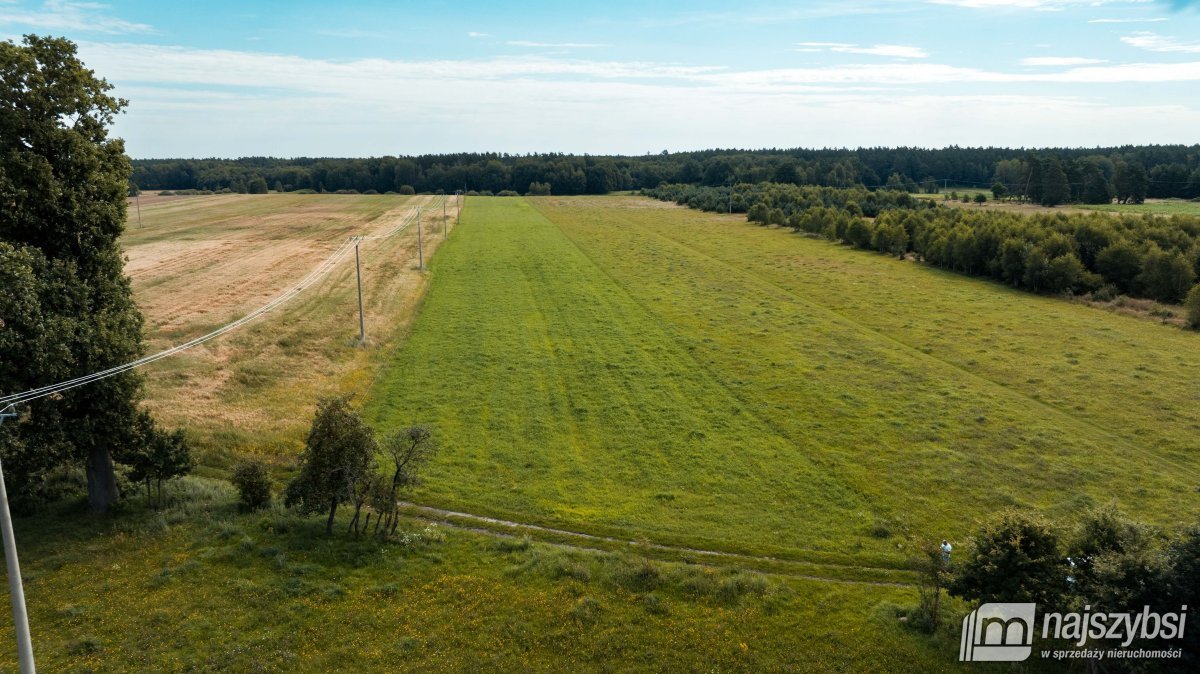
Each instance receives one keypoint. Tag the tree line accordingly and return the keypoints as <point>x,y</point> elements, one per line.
<point>1101,253</point>
<point>1086,174</point>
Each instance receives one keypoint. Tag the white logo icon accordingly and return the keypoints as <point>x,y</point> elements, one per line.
<point>998,633</point>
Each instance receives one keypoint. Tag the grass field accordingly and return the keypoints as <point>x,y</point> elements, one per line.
<point>1154,206</point>
<point>200,587</point>
<point>1150,206</point>
<point>200,262</point>
<point>614,366</point>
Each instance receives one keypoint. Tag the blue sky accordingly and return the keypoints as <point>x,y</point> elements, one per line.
<point>378,78</point>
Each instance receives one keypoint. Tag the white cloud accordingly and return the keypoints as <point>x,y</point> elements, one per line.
<point>476,34</point>
<point>889,50</point>
<point>64,15</point>
<point>554,45</point>
<point>256,103</point>
<point>1160,43</point>
<point>1158,20</point>
<point>1059,61</point>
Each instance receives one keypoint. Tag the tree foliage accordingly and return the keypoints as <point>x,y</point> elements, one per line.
<point>1192,303</point>
<point>1016,558</point>
<point>339,452</point>
<point>252,482</point>
<point>157,456</point>
<point>68,308</point>
<point>1173,170</point>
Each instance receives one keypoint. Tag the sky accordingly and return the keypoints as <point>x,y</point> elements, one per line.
<point>357,79</point>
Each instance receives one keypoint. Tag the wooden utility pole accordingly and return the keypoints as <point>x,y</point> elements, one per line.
<point>420,249</point>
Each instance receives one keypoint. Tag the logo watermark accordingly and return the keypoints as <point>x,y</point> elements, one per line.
<point>1003,632</point>
<point>998,633</point>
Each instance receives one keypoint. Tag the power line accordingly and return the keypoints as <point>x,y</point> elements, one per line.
<point>316,274</point>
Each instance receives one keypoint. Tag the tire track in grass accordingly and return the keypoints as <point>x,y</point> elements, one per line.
<point>486,525</point>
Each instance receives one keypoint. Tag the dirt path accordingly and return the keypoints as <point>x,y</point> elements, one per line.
<point>509,529</point>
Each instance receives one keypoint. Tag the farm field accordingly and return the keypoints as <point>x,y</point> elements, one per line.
<point>1155,206</point>
<point>1150,206</point>
<point>200,262</point>
<point>269,591</point>
<point>613,366</point>
<point>620,366</point>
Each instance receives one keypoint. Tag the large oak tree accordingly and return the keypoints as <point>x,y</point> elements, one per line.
<point>63,182</point>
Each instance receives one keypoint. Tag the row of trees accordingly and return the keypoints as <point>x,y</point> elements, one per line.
<point>1105,562</point>
<point>1143,256</point>
<point>781,200</point>
<point>1167,171</point>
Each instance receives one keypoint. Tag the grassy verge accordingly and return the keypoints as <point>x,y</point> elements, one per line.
<point>200,586</point>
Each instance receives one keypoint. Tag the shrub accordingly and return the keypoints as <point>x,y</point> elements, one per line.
<point>1192,304</point>
<point>507,193</point>
<point>407,190</point>
<point>252,482</point>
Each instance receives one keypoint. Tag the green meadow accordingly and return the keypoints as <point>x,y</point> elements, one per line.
<point>199,586</point>
<point>623,368</point>
<point>611,366</point>
<point>1154,206</point>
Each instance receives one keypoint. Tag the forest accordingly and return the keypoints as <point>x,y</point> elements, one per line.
<point>1051,176</point>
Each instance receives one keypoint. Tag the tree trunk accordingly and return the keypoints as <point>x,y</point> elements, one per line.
<point>332,511</point>
<point>354,520</point>
<point>102,481</point>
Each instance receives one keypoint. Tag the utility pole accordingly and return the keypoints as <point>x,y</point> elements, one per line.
<point>420,250</point>
<point>137,199</point>
<point>362,326</point>
<point>445,221</point>
<point>731,197</point>
<point>15,591</point>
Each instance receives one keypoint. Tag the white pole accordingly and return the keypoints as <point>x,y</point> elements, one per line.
<point>15,591</point>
